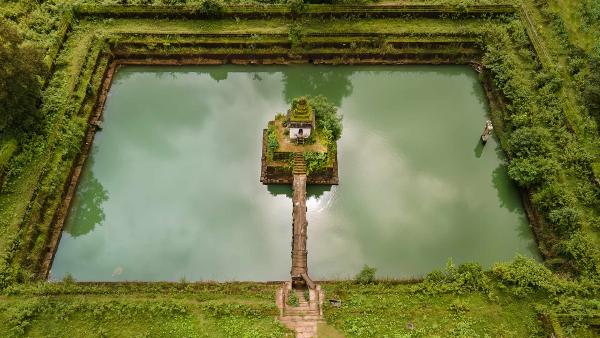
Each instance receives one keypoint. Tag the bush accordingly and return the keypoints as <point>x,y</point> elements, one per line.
<point>293,299</point>
<point>366,275</point>
<point>529,142</point>
<point>327,116</point>
<point>532,170</point>
<point>212,8</point>
<point>553,196</point>
<point>585,254</point>
<point>20,80</point>
<point>296,6</point>
<point>592,89</point>
<point>295,34</point>
<point>466,278</point>
<point>525,275</point>
<point>565,220</point>
<point>272,142</point>
<point>68,279</point>
<point>315,162</point>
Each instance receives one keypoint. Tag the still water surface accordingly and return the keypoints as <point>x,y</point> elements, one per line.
<point>172,189</point>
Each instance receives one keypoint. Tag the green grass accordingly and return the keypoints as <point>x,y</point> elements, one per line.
<point>381,310</point>
<point>179,311</point>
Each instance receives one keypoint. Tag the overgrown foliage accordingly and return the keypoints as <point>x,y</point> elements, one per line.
<point>315,161</point>
<point>21,76</point>
<point>465,278</point>
<point>293,299</point>
<point>545,157</point>
<point>366,275</point>
<point>272,141</point>
<point>592,87</point>
<point>328,119</point>
<point>159,309</point>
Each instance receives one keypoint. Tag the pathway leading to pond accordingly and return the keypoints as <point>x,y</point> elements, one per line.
<point>304,316</point>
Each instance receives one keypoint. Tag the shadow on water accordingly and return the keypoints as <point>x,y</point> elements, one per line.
<point>86,211</point>
<point>317,190</point>
<point>506,190</point>
<point>510,198</point>
<point>478,92</point>
<point>219,74</point>
<point>280,189</point>
<point>478,148</point>
<point>312,190</point>
<point>335,84</point>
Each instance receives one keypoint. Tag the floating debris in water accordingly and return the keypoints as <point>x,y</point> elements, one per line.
<point>117,271</point>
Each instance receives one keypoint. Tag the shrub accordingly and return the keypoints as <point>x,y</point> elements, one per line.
<point>295,34</point>
<point>366,275</point>
<point>565,220</point>
<point>529,141</point>
<point>327,116</point>
<point>553,196</point>
<point>585,254</point>
<point>467,277</point>
<point>68,279</point>
<point>592,89</point>
<point>315,162</point>
<point>296,6</point>
<point>272,142</point>
<point>212,8</point>
<point>20,84</point>
<point>532,170</point>
<point>525,275</point>
<point>293,299</point>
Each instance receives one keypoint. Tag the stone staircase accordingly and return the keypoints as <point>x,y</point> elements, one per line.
<point>303,318</point>
<point>299,164</point>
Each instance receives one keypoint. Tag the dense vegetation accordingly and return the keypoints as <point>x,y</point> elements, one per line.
<point>158,310</point>
<point>543,62</point>
<point>464,301</point>
<point>20,80</point>
<point>329,128</point>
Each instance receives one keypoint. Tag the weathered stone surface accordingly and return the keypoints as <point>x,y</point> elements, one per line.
<point>304,318</point>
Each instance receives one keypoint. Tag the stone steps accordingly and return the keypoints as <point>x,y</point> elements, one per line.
<point>299,164</point>
<point>303,309</point>
<point>304,318</point>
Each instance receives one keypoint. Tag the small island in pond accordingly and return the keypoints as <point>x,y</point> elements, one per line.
<point>302,141</point>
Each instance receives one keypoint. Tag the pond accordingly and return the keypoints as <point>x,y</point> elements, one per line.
<point>171,188</point>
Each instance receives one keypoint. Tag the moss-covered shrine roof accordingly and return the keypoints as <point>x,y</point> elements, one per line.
<point>301,111</point>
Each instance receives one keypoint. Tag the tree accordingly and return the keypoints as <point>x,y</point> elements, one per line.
<point>21,69</point>
<point>366,275</point>
<point>530,141</point>
<point>565,219</point>
<point>532,170</point>
<point>327,116</point>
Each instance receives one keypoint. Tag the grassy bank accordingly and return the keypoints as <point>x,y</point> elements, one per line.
<point>176,310</point>
<point>518,299</point>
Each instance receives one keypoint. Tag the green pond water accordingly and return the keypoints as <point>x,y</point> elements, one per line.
<point>171,189</point>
